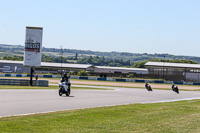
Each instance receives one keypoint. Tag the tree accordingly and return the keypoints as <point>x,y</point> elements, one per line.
<point>130,75</point>
<point>82,73</point>
<point>140,64</point>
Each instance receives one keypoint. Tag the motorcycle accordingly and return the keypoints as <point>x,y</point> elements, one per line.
<point>148,87</point>
<point>175,89</point>
<point>64,88</point>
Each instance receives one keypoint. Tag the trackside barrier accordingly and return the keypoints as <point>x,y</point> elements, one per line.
<point>110,79</point>
<point>141,81</point>
<point>168,82</point>
<point>24,82</point>
<point>7,75</point>
<point>180,83</point>
<point>47,76</point>
<point>196,83</point>
<point>74,77</point>
<point>160,82</point>
<point>56,76</point>
<point>130,80</point>
<point>92,78</point>
<point>18,75</point>
<point>121,80</point>
<point>2,75</point>
<point>102,79</point>
<point>24,75</point>
<point>28,75</point>
<point>41,83</point>
<point>86,78</point>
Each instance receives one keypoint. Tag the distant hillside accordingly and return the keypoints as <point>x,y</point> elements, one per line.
<point>18,50</point>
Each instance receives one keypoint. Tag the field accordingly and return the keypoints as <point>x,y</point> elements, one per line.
<point>173,117</point>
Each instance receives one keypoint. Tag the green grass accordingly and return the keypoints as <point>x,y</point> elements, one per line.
<point>50,87</point>
<point>113,85</point>
<point>9,54</point>
<point>181,117</point>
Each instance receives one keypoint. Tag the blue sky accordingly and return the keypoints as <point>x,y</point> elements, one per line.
<point>136,26</point>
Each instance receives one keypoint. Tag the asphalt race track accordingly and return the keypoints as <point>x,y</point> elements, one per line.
<point>24,101</point>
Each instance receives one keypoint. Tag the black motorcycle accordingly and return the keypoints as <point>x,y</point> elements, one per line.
<point>175,88</point>
<point>148,87</point>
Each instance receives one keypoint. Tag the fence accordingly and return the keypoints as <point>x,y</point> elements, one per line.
<point>23,82</point>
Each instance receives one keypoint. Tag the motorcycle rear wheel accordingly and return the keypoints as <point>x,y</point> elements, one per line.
<point>68,92</point>
<point>60,92</point>
<point>177,91</point>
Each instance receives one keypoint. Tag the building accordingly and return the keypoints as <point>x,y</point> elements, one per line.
<point>174,71</point>
<point>65,67</point>
<point>156,70</point>
<point>105,71</point>
<point>9,66</point>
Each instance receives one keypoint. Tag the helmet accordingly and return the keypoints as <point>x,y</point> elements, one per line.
<point>65,75</point>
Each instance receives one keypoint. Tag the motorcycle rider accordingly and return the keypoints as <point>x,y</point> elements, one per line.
<point>173,86</point>
<point>146,85</point>
<point>65,79</point>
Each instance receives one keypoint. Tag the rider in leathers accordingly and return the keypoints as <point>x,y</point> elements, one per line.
<point>65,79</point>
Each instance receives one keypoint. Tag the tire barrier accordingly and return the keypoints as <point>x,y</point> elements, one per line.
<point>24,82</point>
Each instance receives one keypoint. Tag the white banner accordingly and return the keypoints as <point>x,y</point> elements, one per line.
<point>33,46</point>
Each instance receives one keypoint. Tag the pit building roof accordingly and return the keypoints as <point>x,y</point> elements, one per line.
<point>121,68</point>
<point>177,65</point>
<point>47,64</point>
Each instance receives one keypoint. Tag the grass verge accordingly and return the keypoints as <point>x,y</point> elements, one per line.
<point>50,87</point>
<point>183,116</point>
<point>134,85</point>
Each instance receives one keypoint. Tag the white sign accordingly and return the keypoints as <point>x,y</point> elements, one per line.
<point>33,46</point>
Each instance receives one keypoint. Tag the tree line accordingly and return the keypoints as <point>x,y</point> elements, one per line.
<point>102,61</point>
<point>114,55</point>
<point>98,61</point>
